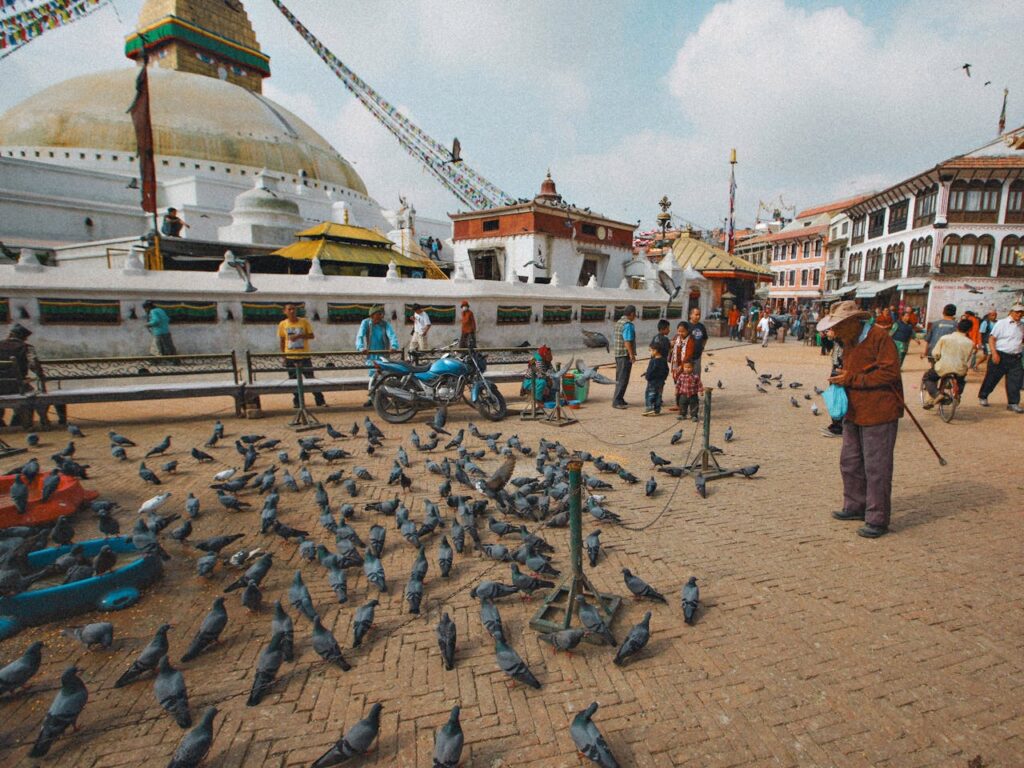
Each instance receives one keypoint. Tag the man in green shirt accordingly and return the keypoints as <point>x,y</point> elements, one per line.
<point>159,325</point>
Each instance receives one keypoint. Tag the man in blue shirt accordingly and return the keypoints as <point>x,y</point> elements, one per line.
<point>375,335</point>
<point>624,350</point>
<point>159,324</point>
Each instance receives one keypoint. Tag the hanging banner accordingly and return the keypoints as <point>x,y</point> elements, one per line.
<point>20,28</point>
<point>139,111</point>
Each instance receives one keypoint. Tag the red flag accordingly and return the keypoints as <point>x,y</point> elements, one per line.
<point>144,139</point>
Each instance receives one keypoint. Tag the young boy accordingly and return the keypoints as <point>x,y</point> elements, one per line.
<point>688,391</point>
<point>657,372</point>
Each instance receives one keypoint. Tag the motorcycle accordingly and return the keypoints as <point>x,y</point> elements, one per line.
<point>400,389</point>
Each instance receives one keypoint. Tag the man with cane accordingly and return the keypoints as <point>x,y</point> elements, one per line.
<point>874,390</point>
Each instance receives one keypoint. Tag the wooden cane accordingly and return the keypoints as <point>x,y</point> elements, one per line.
<point>942,461</point>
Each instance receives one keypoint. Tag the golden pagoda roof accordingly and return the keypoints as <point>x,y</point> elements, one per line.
<point>705,258</point>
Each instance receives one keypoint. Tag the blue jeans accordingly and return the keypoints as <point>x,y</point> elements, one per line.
<point>652,395</point>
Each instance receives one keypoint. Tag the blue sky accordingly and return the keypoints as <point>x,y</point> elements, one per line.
<point>627,101</point>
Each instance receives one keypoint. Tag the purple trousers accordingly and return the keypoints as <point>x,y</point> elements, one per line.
<point>866,466</point>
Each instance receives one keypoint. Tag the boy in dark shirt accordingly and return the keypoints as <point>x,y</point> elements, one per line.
<point>657,373</point>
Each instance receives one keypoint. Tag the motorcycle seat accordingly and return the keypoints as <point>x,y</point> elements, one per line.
<point>416,368</point>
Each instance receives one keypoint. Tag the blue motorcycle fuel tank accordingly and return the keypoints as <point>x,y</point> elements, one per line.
<point>446,366</point>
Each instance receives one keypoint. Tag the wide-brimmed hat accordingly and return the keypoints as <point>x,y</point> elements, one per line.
<point>844,310</point>
<point>1018,307</point>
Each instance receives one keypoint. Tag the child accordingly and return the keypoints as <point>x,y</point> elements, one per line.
<point>657,372</point>
<point>688,391</point>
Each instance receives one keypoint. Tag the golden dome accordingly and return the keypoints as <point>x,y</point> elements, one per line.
<point>193,116</point>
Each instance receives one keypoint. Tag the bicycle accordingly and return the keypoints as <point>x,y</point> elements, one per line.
<point>948,391</point>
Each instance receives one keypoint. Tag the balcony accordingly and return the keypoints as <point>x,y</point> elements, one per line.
<point>966,270</point>
<point>894,273</point>
<point>834,266</point>
<point>918,270</point>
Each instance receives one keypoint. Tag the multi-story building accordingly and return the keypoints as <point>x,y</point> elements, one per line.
<point>953,233</point>
<point>838,247</point>
<point>798,256</point>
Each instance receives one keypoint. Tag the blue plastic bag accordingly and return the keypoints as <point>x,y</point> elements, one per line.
<point>835,400</point>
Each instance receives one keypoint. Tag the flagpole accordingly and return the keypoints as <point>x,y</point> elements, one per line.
<point>731,232</point>
<point>1002,114</point>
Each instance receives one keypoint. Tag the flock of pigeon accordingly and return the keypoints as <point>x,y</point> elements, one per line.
<point>515,508</point>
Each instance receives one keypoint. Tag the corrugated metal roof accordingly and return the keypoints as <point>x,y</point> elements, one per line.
<point>695,254</point>
<point>332,230</point>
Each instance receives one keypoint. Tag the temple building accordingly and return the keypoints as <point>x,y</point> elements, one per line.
<point>68,166</point>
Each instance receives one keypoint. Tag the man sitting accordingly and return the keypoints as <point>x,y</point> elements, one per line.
<point>543,388</point>
<point>952,355</point>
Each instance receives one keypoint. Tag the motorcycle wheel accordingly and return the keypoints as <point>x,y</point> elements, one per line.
<point>492,407</point>
<point>392,409</point>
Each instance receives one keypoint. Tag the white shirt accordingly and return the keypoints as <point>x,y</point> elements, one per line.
<point>1008,335</point>
<point>420,322</point>
<point>764,323</point>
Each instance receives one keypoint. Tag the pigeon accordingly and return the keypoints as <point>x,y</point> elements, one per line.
<point>513,665</point>
<point>100,633</point>
<point>338,580</point>
<point>448,741</point>
<point>593,545</point>
<point>19,494</point>
<point>374,570</point>
<point>414,594</point>
<point>814,409</point>
<point>795,385</point>
<point>635,640</point>
<point>658,461</point>
<point>17,674</point>
<point>170,467</point>
<point>641,588</point>
<point>700,483</point>
<point>650,487</point>
<point>420,565</point>
<point>728,434</point>
<point>255,573</point>
<point>182,532</point>
<point>748,471</point>
<point>794,402</point>
<point>252,597</point>
<point>588,739</point>
<point>120,440</point>
<point>564,640</point>
<point>32,439</point>
<point>299,597</point>
<point>327,647</point>
<point>500,478</point>
<point>528,584</point>
<point>63,712</point>
<point>148,659</point>
<point>377,536</point>
<point>362,622</point>
<point>490,617</point>
<point>592,620</point>
<point>356,741</point>
<point>200,456</point>
<point>444,557</point>
<point>690,599</point>
<point>209,631</point>
<point>217,543</point>
<point>446,634</point>
<point>170,691</point>
<point>719,384</point>
<point>159,448</point>
<point>206,564</point>
<point>281,625</point>
<point>147,474</point>
<point>492,590</point>
<point>266,670</point>
<point>496,552</point>
<point>195,744</point>
<point>676,437</point>
<point>750,365</point>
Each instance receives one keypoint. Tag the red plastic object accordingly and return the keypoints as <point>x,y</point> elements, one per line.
<point>66,500</point>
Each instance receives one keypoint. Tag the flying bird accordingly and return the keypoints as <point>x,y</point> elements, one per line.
<point>966,68</point>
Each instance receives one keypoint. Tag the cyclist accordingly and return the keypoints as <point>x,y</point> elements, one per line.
<point>952,355</point>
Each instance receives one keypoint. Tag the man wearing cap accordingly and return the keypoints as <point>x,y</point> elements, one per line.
<point>420,329</point>
<point>294,334</point>
<point>1004,346</point>
<point>17,349</point>
<point>375,334</point>
<point>172,224</point>
<point>624,350</point>
<point>871,376</point>
<point>468,336</point>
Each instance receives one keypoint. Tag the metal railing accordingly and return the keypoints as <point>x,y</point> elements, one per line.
<point>84,368</point>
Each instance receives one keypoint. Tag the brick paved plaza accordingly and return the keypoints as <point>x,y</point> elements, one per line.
<point>813,647</point>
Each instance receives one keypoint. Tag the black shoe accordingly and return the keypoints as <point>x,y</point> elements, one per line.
<point>368,404</point>
<point>321,402</point>
<point>620,406</point>
<point>844,515</point>
<point>872,531</point>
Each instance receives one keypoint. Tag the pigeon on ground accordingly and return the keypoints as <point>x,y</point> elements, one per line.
<point>217,543</point>
<point>593,545</point>
<point>362,622</point>
<point>592,620</point>
<point>814,409</point>
<point>446,634</point>
<point>327,647</point>
<point>195,744</point>
<point>374,570</point>
<point>19,494</point>
<point>171,693</point>
<point>490,617</point>
<point>206,565</point>
<point>170,466</point>
<point>700,483</point>
<point>414,594</point>
<point>356,741</point>
<point>588,739</point>
<point>492,590</point>
<point>100,633</point>
<point>63,712</point>
<point>120,440</point>
<point>729,434</point>
<point>209,631</point>
<point>641,588</point>
<point>266,671</point>
<point>690,599</point>
<point>444,557</point>
<point>255,573</point>
<point>676,437</point>
<point>159,448</point>
<point>182,532</point>
<point>650,487</point>
<point>564,640</point>
<point>528,584</point>
<point>282,626</point>
<point>448,741</point>
<point>748,471</point>
<point>252,597</point>
<point>299,597</point>
<point>17,674</point>
<point>148,659</point>
<point>635,640</point>
<point>794,402</point>
<point>513,665</point>
<point>658,461</point>
<point>338,580</point>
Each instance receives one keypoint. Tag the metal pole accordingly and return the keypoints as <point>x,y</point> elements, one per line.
<point>707,431</point>
<point>575,517</point>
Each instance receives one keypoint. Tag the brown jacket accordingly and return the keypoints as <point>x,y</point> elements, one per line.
<point>875,366</point>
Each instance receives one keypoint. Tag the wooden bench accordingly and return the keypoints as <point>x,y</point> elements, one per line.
<point>148,375</point>
<point>338,371</point>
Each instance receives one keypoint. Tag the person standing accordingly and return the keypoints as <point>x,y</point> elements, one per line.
<point>700,338</point>
<point>902,333</point>
<point>657,373</point>
<point>733,319</point>
<point>940,328</point>
<point>467,338</point>
<point>985,328</point>
<point>159,325</point>
<point>752,323</point>
<point>764,328</point>
<point>1004,347</point>
<point>420,329</point>
<point>661,339</point>
<point>375,335</point>
<point>874,390</point>
<point>624,350</point>
<point>172,224</point>
<point>689,388</point>
<point>294,334</point>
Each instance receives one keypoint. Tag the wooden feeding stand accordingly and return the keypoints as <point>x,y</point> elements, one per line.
<point>558,608</point>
